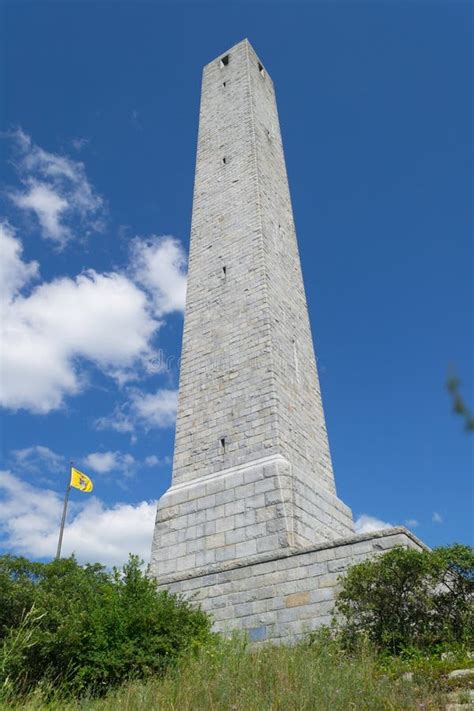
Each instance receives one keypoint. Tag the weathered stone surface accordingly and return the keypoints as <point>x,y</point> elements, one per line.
<point>458,673</point>
<point>297,599</point>
<point>283,594</point>
<point>251,526</point>
<point>251,451</point>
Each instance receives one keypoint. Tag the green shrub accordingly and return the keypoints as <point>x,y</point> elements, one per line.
<point>84,628</point>
<point>410,599</point>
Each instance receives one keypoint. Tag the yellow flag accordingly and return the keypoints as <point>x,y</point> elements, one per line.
<point>80,480</point>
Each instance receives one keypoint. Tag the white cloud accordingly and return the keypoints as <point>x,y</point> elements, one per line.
<point>101,462</point>
<point>102,318</point>
<point>14,272</point>
<point>56,189</point>
<point>159,264</point>
<point>118,420</point>
<point>39,458</point>
<point>30,517</point>
<point>437,518</point>
<point>155,409</point>
<point>53,332</point>
<point>368,524</point>
<point>48,206</point>
<point>154,461</point>
<point>412,522</point>
<point>105,462</point>
<point>148,410</point>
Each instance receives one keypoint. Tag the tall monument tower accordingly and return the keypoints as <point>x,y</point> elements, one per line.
<point>252,472</point>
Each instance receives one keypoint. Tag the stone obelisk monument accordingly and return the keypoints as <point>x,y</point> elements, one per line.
<point>253,501</point>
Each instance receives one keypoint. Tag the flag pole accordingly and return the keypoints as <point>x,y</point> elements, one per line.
<point>63,519</point>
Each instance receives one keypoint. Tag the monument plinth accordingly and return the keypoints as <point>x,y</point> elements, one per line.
<point>253,501</point>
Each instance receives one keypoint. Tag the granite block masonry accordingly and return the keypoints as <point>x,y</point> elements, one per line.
<point>253,503</point>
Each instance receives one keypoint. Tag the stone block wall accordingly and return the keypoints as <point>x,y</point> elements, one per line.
<point>251,527</point>
<point>248,383</point>
<point>281,596</point>
<point>249,389</point>
<point>243,511</point>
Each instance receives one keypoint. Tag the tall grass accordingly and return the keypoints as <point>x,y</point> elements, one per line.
<point>231,677</point>
<point>13,648</point>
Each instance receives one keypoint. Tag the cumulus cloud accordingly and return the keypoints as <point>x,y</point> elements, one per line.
<point>147,410</point>
<point>14,272</point>
<point>48,206</point>
<point>101,318</point>
<point>437,518</point>
<point>101,462</point>
<point>159,265</point>
<point>105,462</point>
<point>412,522</point>
<point>30,517</point>
<point>368,524</point>
<point>155,409</point>
<point>56,190</point>
<point>53,331</point>
<point>39,459</point>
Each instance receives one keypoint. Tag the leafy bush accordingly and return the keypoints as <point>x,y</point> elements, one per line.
<point>87,629</point>
<point>410,599</point>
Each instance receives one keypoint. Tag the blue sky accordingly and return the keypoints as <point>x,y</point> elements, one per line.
<point>99,119</point>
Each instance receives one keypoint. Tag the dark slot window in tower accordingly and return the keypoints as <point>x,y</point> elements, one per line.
<point>224,160</point>
<point>223,445</point>
<point>261,69</point>
<point>224,84</point>
<point>224,271</point>
<point>224,61</point>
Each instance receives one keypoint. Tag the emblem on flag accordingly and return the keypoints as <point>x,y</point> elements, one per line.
<point>80,481</point>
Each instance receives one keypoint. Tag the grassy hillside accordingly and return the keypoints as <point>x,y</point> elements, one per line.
<point>231,677</point>
<point>81,637</point>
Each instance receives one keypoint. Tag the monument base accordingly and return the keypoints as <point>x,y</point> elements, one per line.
<point>256,508</point>
<point>282,595</point>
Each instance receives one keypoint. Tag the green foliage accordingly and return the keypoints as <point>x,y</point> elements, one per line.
<point>410,599</point>
<point>84,628</point>
<point>69,634</point>
<point>459,406</point>
<point>229,675</point>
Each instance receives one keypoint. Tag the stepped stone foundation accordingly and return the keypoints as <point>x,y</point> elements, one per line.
<point>242,511</point>
<point>280,596</point>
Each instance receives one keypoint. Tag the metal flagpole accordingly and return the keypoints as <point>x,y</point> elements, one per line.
<point>63,519</point>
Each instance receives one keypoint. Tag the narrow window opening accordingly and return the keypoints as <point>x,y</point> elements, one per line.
<point>224,160</point>
<point>224,84</point>
<point>224,61</point>
<point>261,69</point>
<point>224,271</point>
<point>223,444</point>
